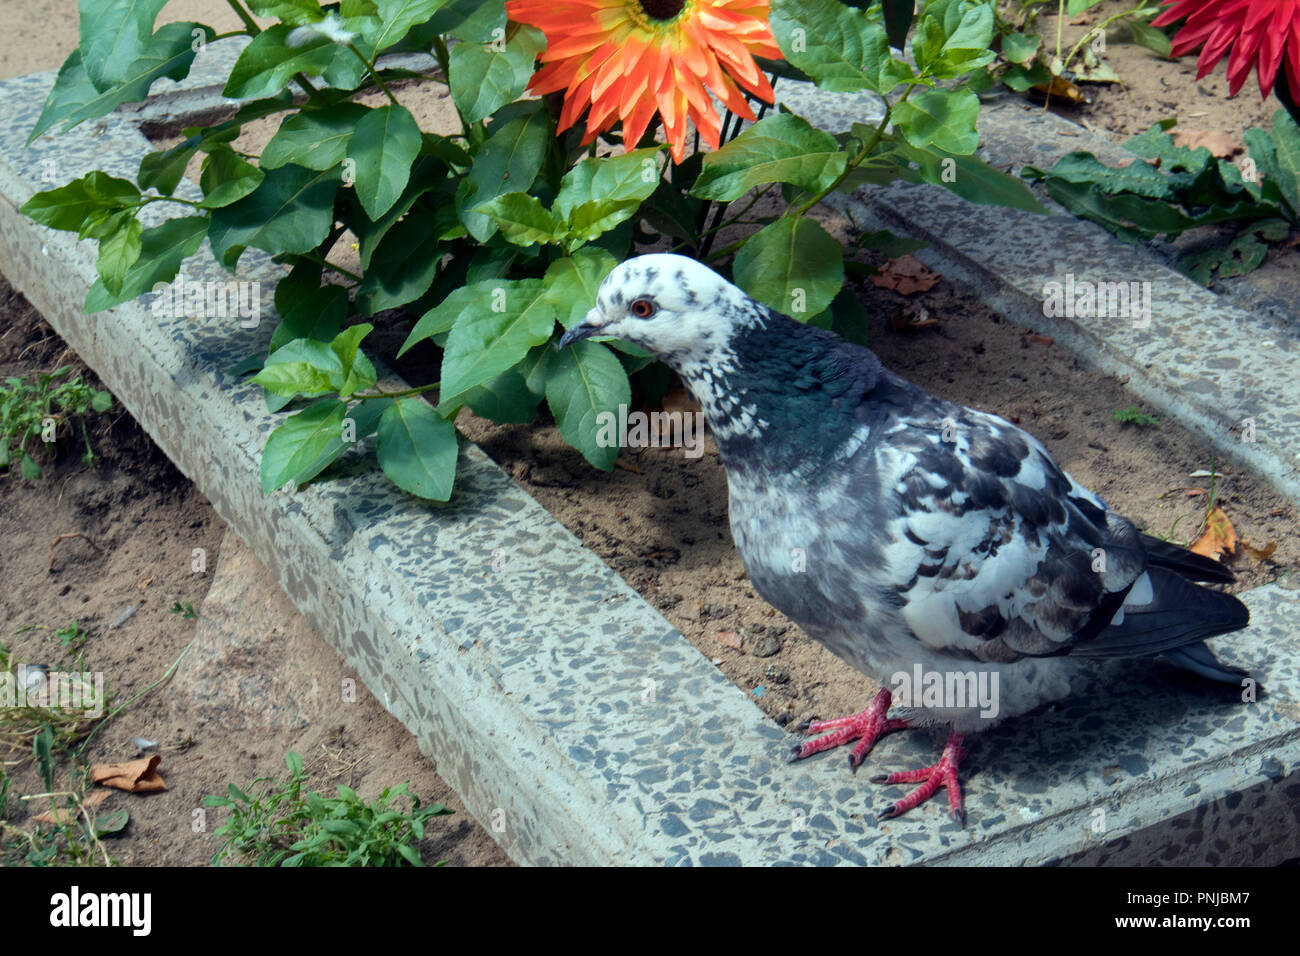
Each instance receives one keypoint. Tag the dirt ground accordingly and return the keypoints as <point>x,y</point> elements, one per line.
<point>143,520</point>
<point>1152,88</point>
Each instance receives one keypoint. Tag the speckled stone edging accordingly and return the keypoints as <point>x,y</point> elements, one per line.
<point>575,723</point>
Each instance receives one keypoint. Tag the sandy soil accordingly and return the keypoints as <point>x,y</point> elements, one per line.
<point>144,519</point>
<point>1152,88</point>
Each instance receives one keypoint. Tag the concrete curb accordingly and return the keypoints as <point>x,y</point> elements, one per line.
<point>576,724</point>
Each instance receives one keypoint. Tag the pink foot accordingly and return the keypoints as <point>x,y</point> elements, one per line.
<point>866,727</point>
<point>942,774</point>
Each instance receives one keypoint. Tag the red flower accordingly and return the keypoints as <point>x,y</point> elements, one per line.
<point>1262,34</point>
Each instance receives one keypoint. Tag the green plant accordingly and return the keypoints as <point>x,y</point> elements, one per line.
<point>1025,63</point>
<point>72,638</point>
<point>283,825</point>
<point>1134,416</point>
<point>494,239</point>
<point>185,610</point>
<point>1171,189</point>
<point>34,411</point>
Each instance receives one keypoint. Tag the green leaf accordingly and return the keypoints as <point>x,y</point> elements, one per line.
<point>28,467</point>
<point>793,265</point>
<point>315,312</point>
<point>291,211</point>
<point>582,381</point>
<point>1021,47</point>
<point>484,79</point>
<point>571,283</point>
<point>476,298</point>
<point>779,149</point>
<point>290,11</point>
<point>114,34</point>
<point>945,118</point>
<point>974,180</point>
<point>358,371</point>
<point>300,441</point>
<point>364,418</point>
<point>474,21</point>
<point>227,177</point>
<point>302,367</point>
<point>268,62</point>
<point>418,449</point>
<point>169,53</point>
<point>162,250</point>
<point>508,161</point>
<point>599,193</point>
<point>396,17</point>
<point>404,269</point>
<point>118,252</point>
<point>1148,36</point>
<point>1075,7</point>
<point>483,344</point>
<point>69,207</point>
<point>1137,177</point>
<point>164,169</point>
<point>1286,158</point>
<point>384,147</point>
<point>522,219</point>
<point>506,399</point>
<point>841,48</point>
<point>427,175</point>
<point>313,139</point>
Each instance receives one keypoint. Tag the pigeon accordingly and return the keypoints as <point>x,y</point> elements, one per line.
<point>933,547</point>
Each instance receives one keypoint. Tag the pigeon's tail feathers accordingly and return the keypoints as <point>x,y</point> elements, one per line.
<point>1179,613</point>
<point>1199,659</point>
<point>1195,567</point>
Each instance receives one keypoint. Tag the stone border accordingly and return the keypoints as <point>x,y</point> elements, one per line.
<point>560,705</point>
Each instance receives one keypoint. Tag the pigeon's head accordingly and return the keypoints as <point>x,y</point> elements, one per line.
<point>672,306</point>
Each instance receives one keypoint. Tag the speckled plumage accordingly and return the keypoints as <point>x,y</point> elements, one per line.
<point>899,529</point>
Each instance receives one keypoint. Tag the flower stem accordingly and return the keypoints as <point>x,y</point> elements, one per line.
<point>399,394</point>
<point>374,74</point>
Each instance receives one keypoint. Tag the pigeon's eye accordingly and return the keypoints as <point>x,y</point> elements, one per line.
<point>643,308</point>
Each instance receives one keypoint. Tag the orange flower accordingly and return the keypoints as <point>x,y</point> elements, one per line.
<point>1263,34</point>
<point>628,59</point>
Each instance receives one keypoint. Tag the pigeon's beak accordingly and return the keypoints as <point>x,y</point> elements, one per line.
<point>583,330</point>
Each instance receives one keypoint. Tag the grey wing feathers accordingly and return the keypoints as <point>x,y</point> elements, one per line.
<point>1002,556</point>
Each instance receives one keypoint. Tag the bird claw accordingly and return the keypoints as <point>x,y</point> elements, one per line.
<point>941,774</point>
<point>866,727</point>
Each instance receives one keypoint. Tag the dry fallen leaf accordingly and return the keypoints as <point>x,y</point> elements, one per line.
<point>1259,554</point>
<point>133,776</point>
<point>1082,20</point>
<point>906,275</point>
<point>1041,339</point>
<point>1061,88</point>
<point>728,639</point>
<point>911,319</point>
<point>627,466</point>
<point>1219,538</point>
<point>62,815</point>
<point>1219,143</point>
